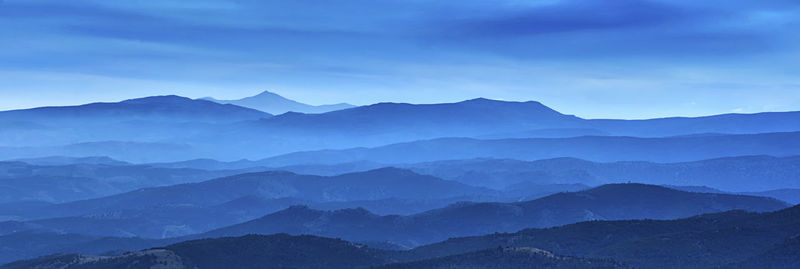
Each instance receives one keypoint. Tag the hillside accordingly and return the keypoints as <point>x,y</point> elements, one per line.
<point>20,181</point>
<point>252,251</point>
<point>733,239</point>
<point>698,242</point>
<point>609,202</point>
<point>592,148</point>
<point>507,258</point>
<point>727,173</point>
<point>735,173</point>
<point>197,207</point>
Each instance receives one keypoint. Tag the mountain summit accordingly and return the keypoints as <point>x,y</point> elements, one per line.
<point>273,103</point>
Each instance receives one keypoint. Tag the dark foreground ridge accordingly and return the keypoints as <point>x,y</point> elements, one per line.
<point>734,239</point>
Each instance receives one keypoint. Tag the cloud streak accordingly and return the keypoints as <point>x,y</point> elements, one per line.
<point>362,51</point>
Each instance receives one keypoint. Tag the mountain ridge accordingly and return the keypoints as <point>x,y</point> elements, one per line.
<point>164,106</point>
<point>607,202</point>
<point>276,104</point>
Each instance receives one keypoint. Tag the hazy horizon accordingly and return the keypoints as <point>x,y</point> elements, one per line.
<point>621,59</point>
<point>455,101</point>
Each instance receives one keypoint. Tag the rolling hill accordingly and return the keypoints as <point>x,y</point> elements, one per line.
<point>706,241</point>
<point>507,258</point>
<point>252,251</point>
<point>283,251</point>
<point>20,181</point>
<point>264,191</point>
<point>169,108</point>
<point>734,174</point>
<point>733,239</point>
<point>593,148</point>
<point>608,202</point>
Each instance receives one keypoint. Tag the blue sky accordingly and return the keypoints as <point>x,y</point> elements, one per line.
<point>616,58</point>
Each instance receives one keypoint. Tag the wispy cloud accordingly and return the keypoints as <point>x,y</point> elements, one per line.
<point>570,53</point>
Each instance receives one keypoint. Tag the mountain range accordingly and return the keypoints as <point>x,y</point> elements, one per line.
<point>608,202</point>
<point>592,148</point>
<point>20,181</point>
<point>733,239</point>
<point>725,174</point>
<point>720,240</point>
<point>733,174</point>
<point>168,108</point>
<point>188,129</point>
<point>62,179</point>
<point>267,182</point>
<point>176,209</point>
<point>284,251</point>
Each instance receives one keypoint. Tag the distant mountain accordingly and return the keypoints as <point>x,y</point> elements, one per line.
<point>211,164</point>
<point>275,104</point>
<point>164,120</point>
<point>733,174</point>
<point>385,123</point>
<point>404,122</point>
<point>204,126</point>
<point>379,184</point>
<point>64,160</point>
<point>609,202</point>
<point>547,133</point>
<point>161,108</point>
<point>594,148</point>
<point>706,241</point>
<point>767,122</point>
<point>791,196</point>
<point>487,118</point>
<point>157,217</point>
<point>64,183</point>
<point>134,152</point>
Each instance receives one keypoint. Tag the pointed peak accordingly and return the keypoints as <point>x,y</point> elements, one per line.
<point>481,100</point>
<point>267,94</point>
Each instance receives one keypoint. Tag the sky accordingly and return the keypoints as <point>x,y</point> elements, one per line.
<point>595,59</point>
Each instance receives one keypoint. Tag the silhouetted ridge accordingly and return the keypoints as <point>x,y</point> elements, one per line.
<point>516,258</point>
<point>160,108</point>
<point>163,99</point>
<point>613,202</point>
<point>636,188</point>
<point>705,241</point>
<point>276,251</point>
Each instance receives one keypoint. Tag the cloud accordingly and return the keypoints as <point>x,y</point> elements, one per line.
<point>565,52</point>
<point>569,16</point>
